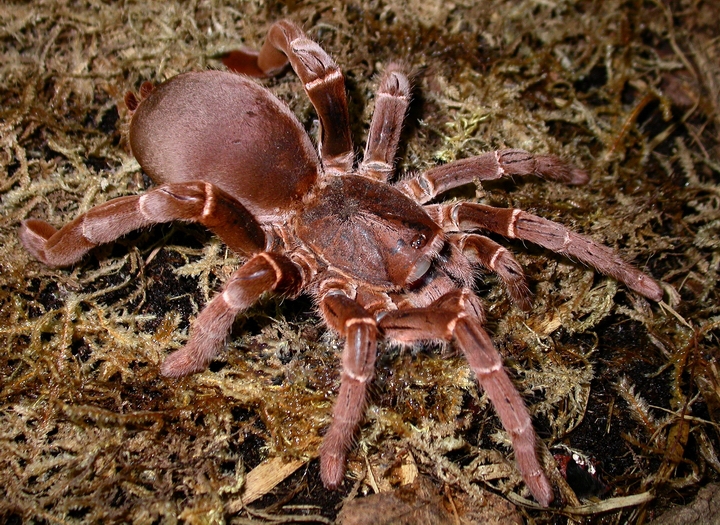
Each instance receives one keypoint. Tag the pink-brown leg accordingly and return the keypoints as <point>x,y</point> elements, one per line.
<point>493,257</point>
<point>323,80</point>
<point>264,272</point>
<point>192,201</point>
<point>359,329</point>
<point>391,103</point>
<point>456,316</point>
<point>514,223</point>
<point>486,362</point>
<point>489,166</point>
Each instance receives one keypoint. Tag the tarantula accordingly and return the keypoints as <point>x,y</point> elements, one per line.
<point>379,261</point>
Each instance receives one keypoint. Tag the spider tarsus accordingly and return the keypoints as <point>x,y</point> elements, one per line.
<point>181,363</point>
<point>578,176</point>
<point>555,168</point>
<point>541,489</point>
<point>332,469</point>
<point>644,285</point>
<point>34,234</point>
<point>510,271</point>
<point>55,248</point>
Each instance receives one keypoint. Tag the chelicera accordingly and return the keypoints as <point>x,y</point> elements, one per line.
<point>378,259</point>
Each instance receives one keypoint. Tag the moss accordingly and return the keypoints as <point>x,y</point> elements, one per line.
<point>628,90</point>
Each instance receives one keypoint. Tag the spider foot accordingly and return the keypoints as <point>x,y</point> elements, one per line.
<point>332,468</point>
<point>52,247</point>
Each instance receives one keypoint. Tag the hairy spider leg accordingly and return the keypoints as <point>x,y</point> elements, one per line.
<point>457,316</point>
<point>515,223</point>
<point>489,166</point>
<point>322,78</point>
<point>262,273</point>
<point>359,328</point>
<point>391,104</point>
<point>194,201</point>
<point>485,252</point>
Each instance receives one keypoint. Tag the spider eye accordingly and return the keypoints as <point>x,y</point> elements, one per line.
<point>419,270</point>
<point>418,241</point>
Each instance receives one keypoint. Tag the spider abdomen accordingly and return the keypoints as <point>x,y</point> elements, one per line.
<point>259,152</point>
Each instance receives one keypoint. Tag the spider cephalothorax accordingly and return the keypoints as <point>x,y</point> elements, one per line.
<point>378,260</point>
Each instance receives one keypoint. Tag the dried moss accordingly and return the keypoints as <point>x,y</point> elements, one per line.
<point>628,90</point>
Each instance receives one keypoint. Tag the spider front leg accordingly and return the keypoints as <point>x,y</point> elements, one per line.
<point>457,315</point>
<point>359,329</point>
<point>391,102</point>
<point>262,273</point>
<point>321,76</point>
<point>489,166</point>
<point>515,223</point>
<point>191,201</point>
<point>490,255</point>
